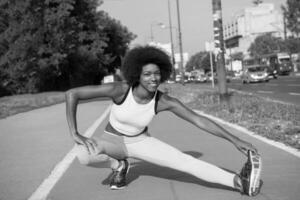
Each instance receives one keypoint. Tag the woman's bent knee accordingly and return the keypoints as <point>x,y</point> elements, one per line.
<point>93,159</point>
<point>82,155</point>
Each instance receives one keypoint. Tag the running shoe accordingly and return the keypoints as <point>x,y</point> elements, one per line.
<point>250,174</point>
<point>119,176</point>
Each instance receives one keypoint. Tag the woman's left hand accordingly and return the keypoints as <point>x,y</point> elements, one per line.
<point>244,146</point>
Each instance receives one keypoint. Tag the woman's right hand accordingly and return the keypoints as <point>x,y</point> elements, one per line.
<point>89,143</point>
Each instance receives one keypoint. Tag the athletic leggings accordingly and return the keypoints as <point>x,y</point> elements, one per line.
<point>144,147</point>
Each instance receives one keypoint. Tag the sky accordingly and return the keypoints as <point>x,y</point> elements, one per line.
<point>195,18</point>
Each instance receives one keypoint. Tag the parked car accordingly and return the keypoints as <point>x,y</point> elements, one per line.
<point>255,73</point>
<point>209,76</point>
<point>178,78</point>
<point>198,78</point>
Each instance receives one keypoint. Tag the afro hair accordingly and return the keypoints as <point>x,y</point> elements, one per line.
<point>140,56</point>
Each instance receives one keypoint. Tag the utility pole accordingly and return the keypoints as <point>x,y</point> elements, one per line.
<point>284,26</point>
<point>219,47</point>
<point>180,44</point>
<point>171,38</point>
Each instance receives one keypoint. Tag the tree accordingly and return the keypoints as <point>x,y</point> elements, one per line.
<point>292,15</point>
<point>265,44</point>
<point>200,60</point>
<point>56,44</point>
<point>118,39</point>
<point>291,45</point>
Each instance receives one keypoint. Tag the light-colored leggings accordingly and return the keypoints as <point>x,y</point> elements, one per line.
<point>150,149</point>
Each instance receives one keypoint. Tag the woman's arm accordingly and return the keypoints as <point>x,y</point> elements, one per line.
<point>204,123</point>
<point>73,96</point>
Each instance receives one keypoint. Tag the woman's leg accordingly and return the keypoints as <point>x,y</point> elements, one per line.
<point>157,152</point>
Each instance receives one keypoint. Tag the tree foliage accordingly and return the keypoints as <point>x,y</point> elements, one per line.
<point>265,44</point>
<point>57,44</point>
<point>200,60</point>
<point>292,14</point>
<point>291,45</point>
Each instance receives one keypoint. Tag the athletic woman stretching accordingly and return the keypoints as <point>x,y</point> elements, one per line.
<point>135,103</point>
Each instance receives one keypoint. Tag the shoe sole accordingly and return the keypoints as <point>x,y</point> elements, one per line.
<point>114,187</point>
<point>117,188</point>
<point>256,167</point>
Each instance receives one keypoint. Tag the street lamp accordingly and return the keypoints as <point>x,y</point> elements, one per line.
<point>170,27</point>
<point>151,29</point>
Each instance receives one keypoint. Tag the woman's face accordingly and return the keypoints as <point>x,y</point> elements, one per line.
<point>150,77</point>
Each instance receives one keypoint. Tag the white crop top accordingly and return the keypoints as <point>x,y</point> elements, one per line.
<point>129,117</point>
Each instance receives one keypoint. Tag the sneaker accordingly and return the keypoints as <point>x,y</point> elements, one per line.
<point>250,174</point>
<point>119,176</point>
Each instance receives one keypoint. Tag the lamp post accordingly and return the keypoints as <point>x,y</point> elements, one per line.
<point>180,43</point>
<point>151,29</point>
<point>172,46</point>
<point>171,38</point>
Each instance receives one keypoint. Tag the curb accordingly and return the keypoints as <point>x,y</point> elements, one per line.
<point>279,145</point>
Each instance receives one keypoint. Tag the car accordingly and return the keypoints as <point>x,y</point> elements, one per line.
<point>200,78</point>
<point>209,76</point>
<point>178,79</point>
<point>255,73</point>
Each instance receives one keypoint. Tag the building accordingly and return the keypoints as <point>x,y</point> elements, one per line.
<point>249,23</point>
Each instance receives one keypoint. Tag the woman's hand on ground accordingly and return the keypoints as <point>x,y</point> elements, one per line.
<point>244,146</point>
<point>89,143</point>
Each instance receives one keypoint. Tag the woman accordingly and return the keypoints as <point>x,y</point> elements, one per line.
<point>135,103</point>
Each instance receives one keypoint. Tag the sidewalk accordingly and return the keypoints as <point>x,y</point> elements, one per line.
<point>146,181</point>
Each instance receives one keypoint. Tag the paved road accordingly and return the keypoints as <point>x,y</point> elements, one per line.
<point>285,88</point>
<point>33,143</point>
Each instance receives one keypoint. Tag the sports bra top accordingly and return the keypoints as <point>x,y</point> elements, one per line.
<point>131,118</point>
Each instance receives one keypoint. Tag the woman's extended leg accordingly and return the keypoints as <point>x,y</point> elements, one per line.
<point>157,152</point>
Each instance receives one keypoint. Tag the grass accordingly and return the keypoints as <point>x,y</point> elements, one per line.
<point>274,120</point>
<point>11,105</point>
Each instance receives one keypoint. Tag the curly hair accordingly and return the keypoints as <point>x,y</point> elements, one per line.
<point>140,56</point>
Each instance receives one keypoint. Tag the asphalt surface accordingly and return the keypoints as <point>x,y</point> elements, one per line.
<point>33,143</point>
<point>284,88</point>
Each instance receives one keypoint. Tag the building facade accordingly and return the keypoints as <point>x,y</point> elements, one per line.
<point>249,23</point>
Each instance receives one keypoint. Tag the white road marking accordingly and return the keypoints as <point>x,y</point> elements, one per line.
<point>272,84</point>
<point>44,189</point>
<point>294,94</point>
<point>262,91</point>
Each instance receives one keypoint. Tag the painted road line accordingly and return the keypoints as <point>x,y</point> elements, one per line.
<point>44,189</point>
<point>294,94</point>
<point>272,84</point>
<point>262,91</point>
<point>279,145</point>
